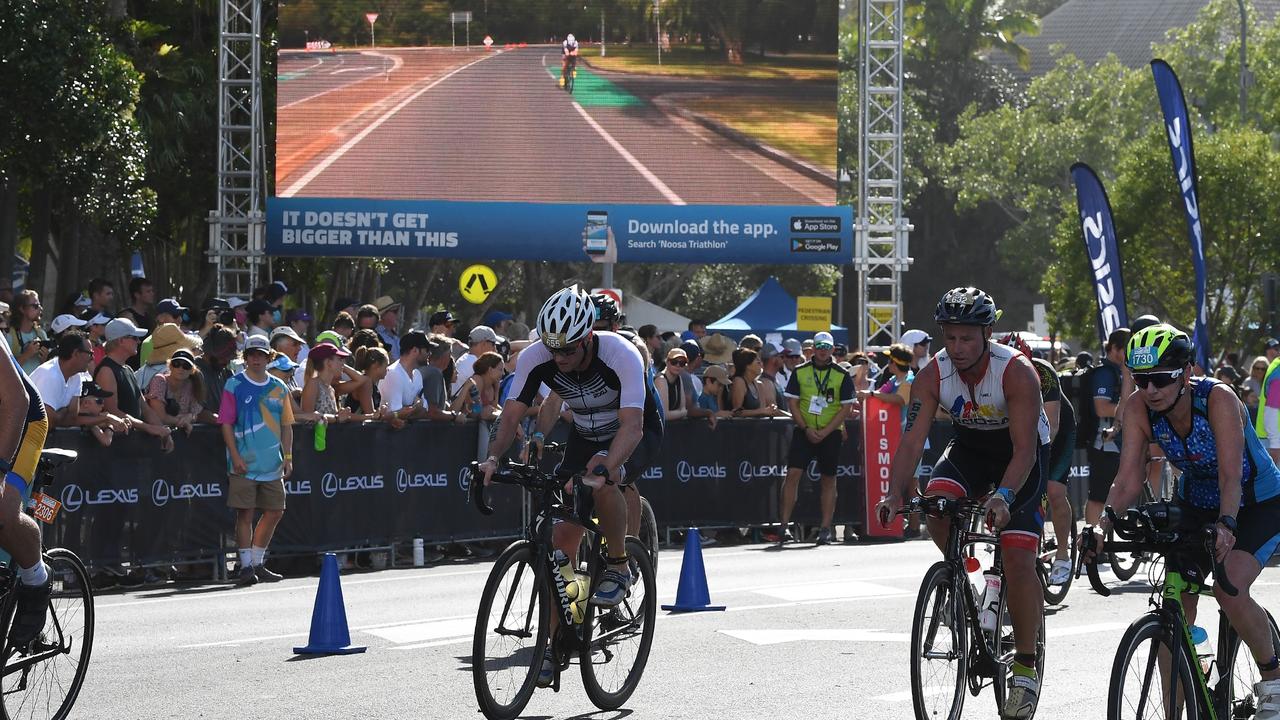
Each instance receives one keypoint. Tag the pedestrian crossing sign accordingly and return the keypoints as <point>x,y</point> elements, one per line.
<point>476,283</point>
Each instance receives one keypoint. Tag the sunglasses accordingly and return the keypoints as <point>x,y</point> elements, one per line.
<point>678,363</point>
<point>567,350</point>
<point>181,364</point>
<point>1159,379</point>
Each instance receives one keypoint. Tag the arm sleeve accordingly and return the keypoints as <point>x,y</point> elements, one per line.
<point>524,387</point>
<point>846,389</point>
<point>227,411</point>
<point>392,393</point>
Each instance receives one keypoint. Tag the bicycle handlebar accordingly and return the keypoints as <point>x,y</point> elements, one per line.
<point>526,475</point>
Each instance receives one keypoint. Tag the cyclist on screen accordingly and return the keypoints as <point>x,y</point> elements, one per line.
<point>568,57</point>
<point>617,427</point>
<point>1228,478</point>
<point>992,393</point>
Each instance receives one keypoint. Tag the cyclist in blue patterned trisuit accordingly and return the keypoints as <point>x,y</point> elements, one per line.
<point>1227,478</point>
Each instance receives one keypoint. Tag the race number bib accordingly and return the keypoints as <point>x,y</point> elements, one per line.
<point>45,508</point>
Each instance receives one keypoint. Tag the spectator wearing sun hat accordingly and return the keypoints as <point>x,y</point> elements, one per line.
<point>389,325</point>
<point>918,341</point>
<point>164,341</point>
<point>718,349</point>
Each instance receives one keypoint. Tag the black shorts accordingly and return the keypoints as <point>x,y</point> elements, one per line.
<point>1103,467</point>
<point>827,451</point>
<point>579,451</point>
<point>1259,533</point>
<point>1061,453</point>
<point>965,472</point>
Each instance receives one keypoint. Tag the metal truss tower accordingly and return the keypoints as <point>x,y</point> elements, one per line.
<point>881,256</point>
<point>236,226</point>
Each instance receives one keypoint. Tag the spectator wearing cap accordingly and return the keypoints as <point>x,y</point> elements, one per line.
<point>499,321</point>
<point>751,341</point>
<point>389,325</point>
<point>344,325</point>
<point>93,418</point>
<point>114,376</point>
<point>792,356</point>
<point>286,341</point>
<point>166,339</point>
<point>260,315</point>
<point>142,296</point>
<point>481,340</point>
<point>896,390</point>
<point>177,394</point>
<point>714,399</point>
<point>443,323</point>
<point>771,358</point>
<point>806,350</point>
<point>300,321</point>
<point>215,366</point>
<point>63,323</point>
<point>319,402</point>
<point>401,389</point>
<point>102,295</point>
<point>918,341</point>
<point>1267,424</point>
<point>97,328</point>
<point>257,428</point>
<point>671,391</point>
<point>821,394</point>
<point>273,293</point>
<point>60,378</point>
<point>283,369</point>
<point>692,373</point>
<point>27,340</point>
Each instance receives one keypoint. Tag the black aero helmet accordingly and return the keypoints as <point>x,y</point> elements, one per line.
<point>966,306</point>
<point>606,308</point>
<point>1143,322</point>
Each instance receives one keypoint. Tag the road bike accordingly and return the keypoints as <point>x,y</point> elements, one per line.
<point>1125,565</point>
<point>950,650</point>
<point>513,625</point>
<point>1055,594</point>
<point>42,678</point>
<point>1157,671</point>
<point>570,74</point>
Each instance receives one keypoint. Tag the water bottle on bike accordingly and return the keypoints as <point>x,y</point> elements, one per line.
<point>989,614</point>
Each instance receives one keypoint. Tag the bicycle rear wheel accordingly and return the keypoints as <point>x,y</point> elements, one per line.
<point>43,679</point>
<point>1141,686</point>
<point>1239,700</point>
<point>512,625</point>
<point>617,640</point>
<point>1054,594</point>
<point>939,632</point>
<point>649,531</point>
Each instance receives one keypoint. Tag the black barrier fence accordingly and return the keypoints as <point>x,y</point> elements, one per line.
<point>373,485</point>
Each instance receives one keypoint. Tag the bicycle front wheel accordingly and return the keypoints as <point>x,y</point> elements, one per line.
<point>43,679</point>
<point>511,633</point>
<point>1239,700</point>
<point>939,632</point>
<point>617,639</point>
<point>1142,678</point>
<point>649,531</point>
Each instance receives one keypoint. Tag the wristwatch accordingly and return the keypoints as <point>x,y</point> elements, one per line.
<point>1006,494</point>
<point>1229,523</point>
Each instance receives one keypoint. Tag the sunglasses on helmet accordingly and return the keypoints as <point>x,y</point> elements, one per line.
<point>1159,379</point>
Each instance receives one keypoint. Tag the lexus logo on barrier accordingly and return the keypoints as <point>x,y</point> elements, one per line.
<point>75,497</point>
<point>653,473</point>
<point>464,478</point>
<point>686,472</point>
<point>406,480</point>
<point>331,485</point>
<point>747,471</point>
<point>162,492</point>
<point>811,471</point>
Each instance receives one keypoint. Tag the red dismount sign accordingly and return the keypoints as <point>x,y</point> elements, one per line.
<point>371,17</point>
<point>882,429</point>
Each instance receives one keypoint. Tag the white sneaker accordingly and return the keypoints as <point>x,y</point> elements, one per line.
<point>1268,694</point>
<point>1060,573</point>
<point>1023,694</point>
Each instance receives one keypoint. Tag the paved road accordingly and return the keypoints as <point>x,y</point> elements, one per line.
<point>495,126</point>
<point>810,632</point>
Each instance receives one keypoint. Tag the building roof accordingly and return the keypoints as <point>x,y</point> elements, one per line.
<point>1090,29</point>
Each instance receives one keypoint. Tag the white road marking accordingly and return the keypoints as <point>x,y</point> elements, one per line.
<point>354,69</point>
<point>427,631</point>
<point>775,637</point>
<point>314,172</point>
<point>374,629</point>
<point>396,63</point>
<point>645,172</point>
<point>1057,632</point>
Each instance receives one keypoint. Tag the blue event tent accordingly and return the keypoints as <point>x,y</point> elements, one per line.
<point>770,309</point>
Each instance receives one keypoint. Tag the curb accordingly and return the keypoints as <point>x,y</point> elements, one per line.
<point>781,156</point>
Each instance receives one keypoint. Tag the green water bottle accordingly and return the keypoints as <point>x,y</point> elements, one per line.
<point>322,432</point>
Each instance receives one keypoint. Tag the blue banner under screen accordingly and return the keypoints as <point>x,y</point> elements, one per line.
<point>756,234</point>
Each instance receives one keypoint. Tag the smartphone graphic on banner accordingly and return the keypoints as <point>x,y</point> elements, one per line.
<point>597,232</point>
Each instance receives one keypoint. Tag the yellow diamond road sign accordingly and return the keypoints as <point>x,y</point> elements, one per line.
<point>476,283</point>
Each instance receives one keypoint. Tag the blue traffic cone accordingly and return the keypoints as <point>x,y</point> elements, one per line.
<point>329,634</point>
<point>692,595</point>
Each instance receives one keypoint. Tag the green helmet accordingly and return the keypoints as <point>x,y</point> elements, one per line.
<point>1158,346</point>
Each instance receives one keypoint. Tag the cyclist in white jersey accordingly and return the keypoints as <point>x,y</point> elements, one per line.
<point>992,393</point>
<point>568,56</point>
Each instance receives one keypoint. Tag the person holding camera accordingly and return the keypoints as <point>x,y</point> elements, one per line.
<point>27,340</point>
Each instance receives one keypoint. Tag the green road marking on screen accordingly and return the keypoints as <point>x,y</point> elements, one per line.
<point>591,90</point>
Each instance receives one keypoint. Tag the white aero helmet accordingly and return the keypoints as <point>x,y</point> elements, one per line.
<point>571,39</point>
<point>566,317</point>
